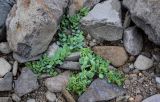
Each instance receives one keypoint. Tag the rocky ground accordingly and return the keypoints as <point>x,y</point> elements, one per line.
<point>125,32</point>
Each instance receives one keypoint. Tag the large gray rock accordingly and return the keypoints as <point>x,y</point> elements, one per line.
<point>99,91</point>
<point>154,98</point>
<point>133,41</point>
<point>104,21</point>
<point>31,26</point>
<point>26,82</point>
<point>76,5</point>
<point>146,15</point>
<point>6,82</point>
<point>5,7</point>
<point>5,67</point>
<point>143,63</point>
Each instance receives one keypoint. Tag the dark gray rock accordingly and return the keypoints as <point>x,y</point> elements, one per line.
<point>146,15</point>
<point>5,7</point>
<point>100,90</point>
<point>70,65</point>
<point>103,22</point>
<point>133,41</point>
<point>6,82</point>
<point>154,98</point>
<point>26,82</point>
<point>73,57</point>
<point>5,99</point>
<point>32,25</point>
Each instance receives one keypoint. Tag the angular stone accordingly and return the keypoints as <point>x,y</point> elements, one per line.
<point>56,84</point>
<point>26,82</point>
<point>73,57</point>
<point>145,14</point>
<point>6,82</point>
<point>5,7</point>
<point>99,91</point>
<point>5,99</point>
<point>115,54</point>
<point>31,26</point>
<point>133,41</point>
<point>103,22</point>
<point>70,65</point>
<point>76,5</point>
<point>154,98</point>
<point>143,63</point>
<point>52,49</point>
<point>4,48</point>
<point>5,67</point>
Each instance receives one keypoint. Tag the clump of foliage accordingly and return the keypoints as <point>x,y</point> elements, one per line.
<point>92,65</point>
<point>47,64</point>
<point>71,39</point>
<point>69,43</point>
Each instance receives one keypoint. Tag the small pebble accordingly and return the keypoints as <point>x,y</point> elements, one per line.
<point>15,68</point>
<point>51,97</point>
<point>16,98</point>
<point>138,98</point>
<point>31,100</point>
<point>131,99</point>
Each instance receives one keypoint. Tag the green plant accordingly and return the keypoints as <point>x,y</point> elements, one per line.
<point>47,64</point>
<point>92,65</point>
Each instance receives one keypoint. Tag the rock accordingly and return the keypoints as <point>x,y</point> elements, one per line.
<point>143,63</point>
<point>4,48</point>
<point>76,5</point>
<point>145,14</point>
<point>31,100</point>
<point>52,49</point>
<point>51,97</point>
<point>103,22</point>
<point>56,84</point>
<point>154,98</point>
<point>127,20</point>
<point>133,41</point>
<point>6,82</point>
<point>16,98</point>
<point>158,80</point>
<point>5,99</point>
<point>15,68</point>
<point>70,65</point>
<point>32,25</point>
<point>26,82</point>
<point>138,98</point>
<point>5,67</point>
<point>73,57</point>
<point>100,90</point>
<point>5,7</point>
<point>115,54</point>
